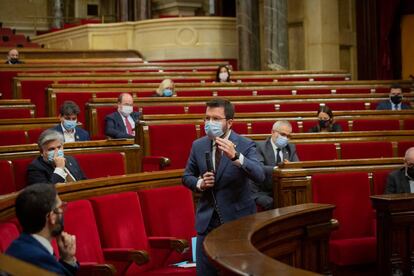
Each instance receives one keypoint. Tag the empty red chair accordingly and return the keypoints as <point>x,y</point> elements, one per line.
<point>262,127</point>
<point>197,109</point>
<point>169,212</point>
<point>274,92</point>
<point>7,178</point>
<point>8,233</point>
<point>163,109</point>
<point>12,137</point>
<point>359,150</point>
<point>380,181</point>
<point>20,172</point>
<point>347,105</point>
<point>315,152</point>
<point>101,112</point>
<point>34,134</point>
<point>121,225</point>
<point>409,124</point>
<point>299,106</point>
<point>195,93</point>
<point>15,113</point>
<point>316,91</point>
<point>240,127</point>
<point>102,164</point>
<point>371,125</point>
<point>354,242</point>
<point>403,146</point>
<point>250,107</point>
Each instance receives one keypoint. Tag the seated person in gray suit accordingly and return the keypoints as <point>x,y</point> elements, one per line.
<point>272,152</point>
<point>402,180</point>
<point>395,100</point>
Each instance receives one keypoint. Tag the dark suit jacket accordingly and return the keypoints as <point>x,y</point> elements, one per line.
<point>386,105</point>
<point>115,127</point>
<point>80,134</point>
<point>40,171</point>
<point>232,189</point>
<point>18,62</point>
<point>266,156</point>
<point>28,249</point>
<point>397,182</point>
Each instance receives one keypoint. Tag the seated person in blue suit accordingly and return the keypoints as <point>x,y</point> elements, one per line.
<point>69,123</point>
<point>272,152</point>
<point>40,213</point>
<point>52,166</point>
<point>395,101</point>
<point>122,123</point>
<point>402,180</point>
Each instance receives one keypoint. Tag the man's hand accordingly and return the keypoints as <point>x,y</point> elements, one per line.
<point>227,146</point>
<point>59,161</point>
<point>208,181</point>
<point>67,247</point>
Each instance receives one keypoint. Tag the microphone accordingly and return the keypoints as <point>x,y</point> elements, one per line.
<point>209,163</point>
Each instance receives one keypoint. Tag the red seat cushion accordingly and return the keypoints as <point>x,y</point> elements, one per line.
<point>314,152</point>
<point>262,127</point>
<point>242,108</point>
<point>163,109</point>
<point>12,137</point>
<point>34,134</point>
<point>409,124</point>
<point>20,172</point>
<point>8,233</point>
<point>347,105</point>
<point>380,181</point>
<point>102,164</point>
<point>6,172</point>
<point>371,125</point>
<point>403,146</point>
<point>358,150</point>
<point>353,251</point>
<point>35,91</point>
<point>299,106</point>
<point>15,113</point>
<point>101,112</point>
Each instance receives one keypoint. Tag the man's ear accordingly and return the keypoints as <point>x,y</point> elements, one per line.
<point>230,122</point>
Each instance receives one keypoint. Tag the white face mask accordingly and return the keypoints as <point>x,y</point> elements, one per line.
<point>223,76</point>
<point>126,110</point>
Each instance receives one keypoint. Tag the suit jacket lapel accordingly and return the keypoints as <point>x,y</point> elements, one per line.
<point>405,183</point>
<point>269,152</point>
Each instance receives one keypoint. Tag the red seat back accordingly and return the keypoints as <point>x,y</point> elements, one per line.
<point>34,134</point>
<point>12,137</point>
<point>409,124</point>
<point>15,113</point>
<point>380,181</point>
<point>299,106</point>
<point>101,112</point>
<point>242,108</point>
<point>20,172</point>
<point>102,164</point>
<point>403,146</point>
<point>7,178</point>
<point>262,127</point>
<point>314,152</point>
<point>163,109</point>
<point>8,233</point>
<point>371,125</point>
<point>358,150</point>
<point>349,192</point>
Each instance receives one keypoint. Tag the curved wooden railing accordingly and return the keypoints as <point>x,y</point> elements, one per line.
<point>286,241</point>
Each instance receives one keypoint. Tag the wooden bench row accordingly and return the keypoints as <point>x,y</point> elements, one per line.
<point>16,108</point>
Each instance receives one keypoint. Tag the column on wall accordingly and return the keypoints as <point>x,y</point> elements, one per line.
<point>57,14</point>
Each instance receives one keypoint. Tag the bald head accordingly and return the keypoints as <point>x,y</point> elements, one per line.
<point>409,156</point>
<point>13,56</point>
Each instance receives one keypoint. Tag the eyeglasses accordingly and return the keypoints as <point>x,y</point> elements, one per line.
<point>214,119</point>
<point>61,209</point>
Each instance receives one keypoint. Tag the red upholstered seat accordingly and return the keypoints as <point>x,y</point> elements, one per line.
<point>173,141</point>
<point>197,109</point>
<point>403,146</point>
<point>240,127</point>
<point>225,93</point>
<point>169,212</point>
<point>380,181</point>
<point>354,242</point>
<point>242,108</point>
<point>12,137</point>
<point>299,107</point>
<point>80,98</point>
<point>163,109</point>
<point>20,172</point>
<point>274,92</point>
<point>364,125</point>
<point>347,105</point>
<point>101,112</point>
<point>316,91</point>
<point>34,134</point>
<point>314,152</point>
<point>356,90</point>
<point>121,225</point>
<point>102,164</point>
<point>15,113</point>
<point>195,93</point>
<point>358,150</point>
<point>409,124</point>
<point>8,233</point>
<point>7,178</point>
<point>262,127</point>
<point>35,91</point>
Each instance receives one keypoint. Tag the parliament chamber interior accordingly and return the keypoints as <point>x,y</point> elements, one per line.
<point>282,60</point>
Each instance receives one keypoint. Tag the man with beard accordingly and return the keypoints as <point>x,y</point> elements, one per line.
<point>221,167</point>
<point>13,57</point>
<point>402,180</point>
<point>395,101</point>
<point>40,213</point>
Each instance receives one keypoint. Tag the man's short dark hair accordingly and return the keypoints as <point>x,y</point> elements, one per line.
<point>69,108</point>
<point>396,86</point>
<point>32,206</point>
<point>226,104</point>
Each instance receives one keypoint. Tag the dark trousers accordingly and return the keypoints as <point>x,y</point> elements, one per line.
<point>204,266</point>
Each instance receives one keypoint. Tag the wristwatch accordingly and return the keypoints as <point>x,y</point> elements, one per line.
<point>236,156</point>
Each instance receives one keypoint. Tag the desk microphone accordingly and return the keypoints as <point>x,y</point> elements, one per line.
<point>210,168</point>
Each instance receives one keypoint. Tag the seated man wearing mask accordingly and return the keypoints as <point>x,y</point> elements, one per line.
<point>395,101</point>
<point>52,166</point>
<point>68,126</point>
<point>121,124</point>
<point>13,57</point>
<point>40,213</point>
<point>402,180</point>
<point>272,152</point>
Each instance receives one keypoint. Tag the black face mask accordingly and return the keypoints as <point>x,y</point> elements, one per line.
<point>396,99</point>
<point>323,123</point>
<point>410,172</point>
<point>14,60</point>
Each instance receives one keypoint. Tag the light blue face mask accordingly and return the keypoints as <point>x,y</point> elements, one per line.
<point>213,129</point>
<point>51,154</point>
<point>281,141</point>
<point>69,124</point>
<point>167,92</point>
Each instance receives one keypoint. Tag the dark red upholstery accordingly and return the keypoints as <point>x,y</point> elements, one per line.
<point>8,233</point>
<point>313,91</point>
<point>299,107</point>
<point>163,109</point>
<point>274,92</point>
<point>7,178</point>
<point>101,112</point>
<point>356,90</point>
<point>80,98</point>
<point>169,212</point>
<point>314,152</point>
<point>102,164</point>
<point>225,93</point>
<point>403,146</point>
<point>364,125</point>
<point>347,105</point>
<point>262,127</point>
<point>20,172</point>
<point>380,181</point>
<point>35,91</point>
<point>173,141</point>
<point>240,127</point>
<point>195,93</point>
<point>12,137</point>
<point>242,108</point>
<point>15,113</point>
<point>34,134</point>
<point>197,109</point>
<point>374,149</point>
<point>409,124</point>
<point>354,242</point>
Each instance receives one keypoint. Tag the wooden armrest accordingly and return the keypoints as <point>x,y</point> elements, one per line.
<point>179,245</point>
<point>137,256</point>
<point>96,269</point>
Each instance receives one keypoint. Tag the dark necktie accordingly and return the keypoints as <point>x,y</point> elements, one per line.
<point>278,160</point>
<point>128,126</point>
<point>395,106</point>
<point>217,157</point>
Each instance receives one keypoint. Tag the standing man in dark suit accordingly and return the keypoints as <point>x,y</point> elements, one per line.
<point>122,123</point>
<point>402,180</point>
<point>40,213</point>
<point>272,152</point>
<point>52,166</point>
<point>225,187</point>
<point>395,102</point>
<point>68,126</point>
<point>13,57</point>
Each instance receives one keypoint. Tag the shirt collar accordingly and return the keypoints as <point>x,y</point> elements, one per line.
<point>43,241</point>
<point>66,131</point>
